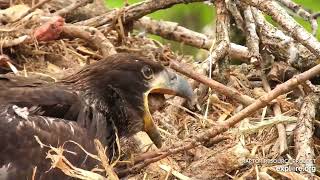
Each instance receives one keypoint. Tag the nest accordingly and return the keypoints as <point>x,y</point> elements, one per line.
<point>249,149</point>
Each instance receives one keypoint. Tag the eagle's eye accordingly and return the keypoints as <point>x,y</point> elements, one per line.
<point>147,72</point>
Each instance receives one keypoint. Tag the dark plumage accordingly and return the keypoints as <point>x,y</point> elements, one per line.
<point>103,99</point>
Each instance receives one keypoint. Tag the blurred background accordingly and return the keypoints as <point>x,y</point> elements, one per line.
<point>200,17</point>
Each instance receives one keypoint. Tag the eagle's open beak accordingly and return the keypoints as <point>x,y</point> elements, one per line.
<point>165,82</point>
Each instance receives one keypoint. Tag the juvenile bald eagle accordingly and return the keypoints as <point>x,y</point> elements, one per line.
<point>102,100</point>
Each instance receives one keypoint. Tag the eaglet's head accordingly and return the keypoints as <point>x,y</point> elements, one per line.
<point>132,78</point>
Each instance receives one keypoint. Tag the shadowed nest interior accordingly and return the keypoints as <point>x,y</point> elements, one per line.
<point>104,100</point>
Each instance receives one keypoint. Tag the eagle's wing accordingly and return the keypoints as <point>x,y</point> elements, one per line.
<point>59,100</point>
<point>52,100</point>
<point>19,148</point>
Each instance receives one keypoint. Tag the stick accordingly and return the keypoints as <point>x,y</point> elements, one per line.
<point>303,133</point>
<point>32,9</point>
<point>302,13</point>
<point>172,31</point>
<point>230,92</point>
<point>72,6</point>
<point>278,14</point>
<point>133,12</point>
<point>252,36</point>
<point>223,127</point>
<point>277,112</point>
<point>92,35</point>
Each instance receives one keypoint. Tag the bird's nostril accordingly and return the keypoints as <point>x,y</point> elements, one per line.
<point>173,76</point>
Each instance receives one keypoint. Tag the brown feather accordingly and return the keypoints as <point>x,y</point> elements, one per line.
<point>103,98</point>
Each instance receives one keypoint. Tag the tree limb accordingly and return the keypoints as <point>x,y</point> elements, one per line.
<point>134,11</point>
<point>172,31</point>
<point>278,14</point>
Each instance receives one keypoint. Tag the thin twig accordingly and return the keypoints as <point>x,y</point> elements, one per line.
<point>32,9</point>
<point>277,112</point>
<point>72,6</point>
<point>105,161</point>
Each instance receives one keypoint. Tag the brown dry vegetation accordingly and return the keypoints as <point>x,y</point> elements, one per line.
<point>252,114</point>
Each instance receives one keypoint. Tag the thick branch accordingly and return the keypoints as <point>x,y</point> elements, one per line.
<point>133,12</point>
<point>252,37</point>
<point>302,13</point>
<point>222,44</point>
<point>278,14</point>
<point>173,31</point>
<point>71,7</point>
<point>92,35</point>
<point>281,45</point>
<point>303,133</point>
<point>230,92</point>
<point>234,10</point>
<point>41,3</point>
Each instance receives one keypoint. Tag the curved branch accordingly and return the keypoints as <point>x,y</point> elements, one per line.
<point>288,23</point>
<point>134,11</point>
<point>172,31</point>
